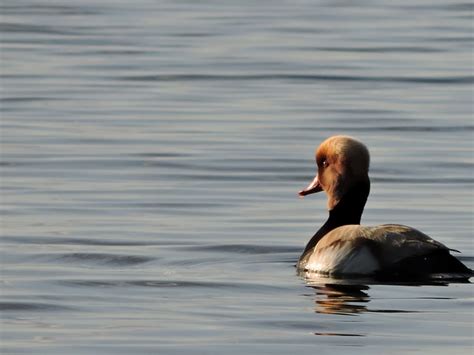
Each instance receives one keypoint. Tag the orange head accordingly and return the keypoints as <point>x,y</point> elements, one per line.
<point>342,162</point>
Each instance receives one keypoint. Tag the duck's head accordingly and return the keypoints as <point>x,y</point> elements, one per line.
<point>342,162</point>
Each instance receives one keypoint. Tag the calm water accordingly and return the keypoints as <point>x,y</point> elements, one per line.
<point>151,155</point>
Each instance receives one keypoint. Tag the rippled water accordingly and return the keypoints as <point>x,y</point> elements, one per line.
<point>151,155</point>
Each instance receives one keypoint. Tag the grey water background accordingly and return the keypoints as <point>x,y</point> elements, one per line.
<point>151,155</point>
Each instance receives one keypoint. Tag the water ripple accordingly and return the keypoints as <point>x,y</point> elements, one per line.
<point>42,240</point>
<point>244,249</point>
<point>381,49</point>
<point>36,29</point>
<point>101,258</point>
<point>31,306</point>
<point>468,79</point>
<point>40,9</point>
<point>213,285</point>
<point>382,128</point>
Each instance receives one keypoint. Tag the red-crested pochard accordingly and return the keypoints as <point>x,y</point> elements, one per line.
<point>343,247</point>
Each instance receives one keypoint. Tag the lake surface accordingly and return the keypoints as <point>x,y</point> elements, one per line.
<point>152,152</point>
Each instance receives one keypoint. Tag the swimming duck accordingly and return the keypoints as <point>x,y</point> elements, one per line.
<point>342,246</point>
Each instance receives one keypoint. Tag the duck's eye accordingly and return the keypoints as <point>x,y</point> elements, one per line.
<point>325,163</point>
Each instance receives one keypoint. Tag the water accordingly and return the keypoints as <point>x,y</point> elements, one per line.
<point>152,152</point>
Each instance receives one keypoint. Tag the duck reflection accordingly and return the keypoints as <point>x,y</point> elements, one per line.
<point>341,299</point>
<point>351,296</point>
<point>337,296</point>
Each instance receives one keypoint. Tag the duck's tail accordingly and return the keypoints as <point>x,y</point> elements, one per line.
<point>437,264</point>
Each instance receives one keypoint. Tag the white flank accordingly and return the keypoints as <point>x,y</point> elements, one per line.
<point>344,259</point>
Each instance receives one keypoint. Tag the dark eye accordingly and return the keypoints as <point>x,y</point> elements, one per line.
<point>325,163</point>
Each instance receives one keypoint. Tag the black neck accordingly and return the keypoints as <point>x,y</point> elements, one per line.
<point>347,211</point>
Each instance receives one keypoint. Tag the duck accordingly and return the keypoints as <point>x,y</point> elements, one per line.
<point>342,246</point>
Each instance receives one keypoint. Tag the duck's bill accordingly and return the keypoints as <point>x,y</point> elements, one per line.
<point>312,188</point>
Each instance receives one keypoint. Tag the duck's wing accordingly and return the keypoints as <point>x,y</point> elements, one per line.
<point>394,242</point>
<point>355,249</point>
<point>406,252</point>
